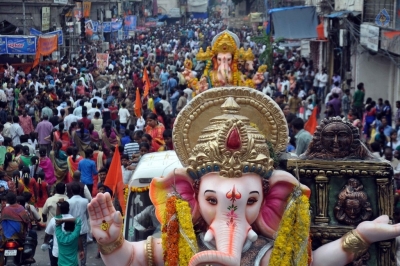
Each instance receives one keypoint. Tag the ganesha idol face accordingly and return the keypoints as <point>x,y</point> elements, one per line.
<point>235,210</point>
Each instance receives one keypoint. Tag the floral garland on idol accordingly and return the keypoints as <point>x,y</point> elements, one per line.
<point>178,237</point>
<point>292,245</point>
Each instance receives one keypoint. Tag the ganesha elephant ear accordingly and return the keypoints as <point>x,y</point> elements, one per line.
<point>177,181</point>
<point>282,185</point>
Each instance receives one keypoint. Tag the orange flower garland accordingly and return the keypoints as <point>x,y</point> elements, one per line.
<point>140,189</point>
<point>170,233</point>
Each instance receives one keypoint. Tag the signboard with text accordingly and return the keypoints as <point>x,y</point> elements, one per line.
<point>45,18</point>
<point>17,44</point>
<point>369,36</point>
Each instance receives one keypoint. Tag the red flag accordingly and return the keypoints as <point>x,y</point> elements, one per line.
<point>312,122</point>
<point>146,81</point>
<point>138,104</point>
<point>114,175</point>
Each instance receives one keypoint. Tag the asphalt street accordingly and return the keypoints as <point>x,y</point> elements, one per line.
<point>42,258</point>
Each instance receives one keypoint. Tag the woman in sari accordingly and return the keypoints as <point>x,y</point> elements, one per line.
<point>42,192</point>
<point>10,165</point>
<point>17,153</point>
<point>61,136</point>
<point>99,159</point>
<point>72,128</point>
<point>73,161</point>
<point>59,159</point>
<point>81,138</point>
<point>94,135</point>
<point>25,158</point>
<point>110,138</point>
<point>30,184</point>
<point>47,167</point>
<point>155,130</point>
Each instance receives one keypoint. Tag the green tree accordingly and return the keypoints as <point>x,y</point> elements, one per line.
<point>267,57</point>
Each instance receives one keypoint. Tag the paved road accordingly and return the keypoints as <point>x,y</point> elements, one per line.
<point>42,258</point>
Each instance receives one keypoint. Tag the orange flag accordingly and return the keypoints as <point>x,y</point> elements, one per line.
<point>138,104</point>
<point>146,81</point>
<point>312,122</point>
<point>45,46</point>
<point>114,179</point>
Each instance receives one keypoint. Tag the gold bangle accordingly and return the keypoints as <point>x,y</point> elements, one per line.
<point>149,250</point>
<point>110,248</point>
<point>352,242</point>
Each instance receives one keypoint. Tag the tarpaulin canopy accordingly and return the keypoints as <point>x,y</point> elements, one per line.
<point>197,15</point>
<point>294,22</point>
<point>342,14</point>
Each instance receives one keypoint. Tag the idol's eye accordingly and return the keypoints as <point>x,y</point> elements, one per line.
<point>212,200</point>
<point>251,201</point>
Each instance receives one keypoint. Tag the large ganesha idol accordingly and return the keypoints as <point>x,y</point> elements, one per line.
<point>229,206</point>
<point>224,64</point>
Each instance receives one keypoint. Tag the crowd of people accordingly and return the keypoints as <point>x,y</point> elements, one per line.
<point>59,130</point>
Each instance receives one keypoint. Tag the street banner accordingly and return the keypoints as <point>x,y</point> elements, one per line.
<point>21,44</point>
<point>89,27</point>
<point>116,26</point>
<point>106,26</point>
<point>95,26</point>
<point>46,45</point>
<point>59,33</point>
<point>77,11</point>
<point>3,45</point>
<point>130,23</point>
<point>102,61</point>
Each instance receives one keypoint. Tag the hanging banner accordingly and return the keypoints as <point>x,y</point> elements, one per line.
<point>102,61</point>
<point>89,27</point>
<point>116,26</point>
<point>21,45</point>
<point>95,26</point>
<point>46,45</point>
<point>45,18</point>
<point>106,26</point>
<point>77,11</point>
<point>3,45</point>
<point>59,33</point>
<point>130,23</point>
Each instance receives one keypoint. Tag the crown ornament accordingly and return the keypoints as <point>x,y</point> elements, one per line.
<point>200,56</point>
<point>248,55</point>
<point>225,43</point>
<point>230,146</point>
<point>188,64</point>
<point>262,68</point>
<point>242,54</point>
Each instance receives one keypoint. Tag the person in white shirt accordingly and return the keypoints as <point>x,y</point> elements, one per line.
<point>166,105</point>
<point>123,115</point>
<point>70,118</point>
<point>322,78</point>
<point>127,169</point>
<point>51,231</point>
<point>7,126</point>
<point>78,208</point>
<point>16,131</point>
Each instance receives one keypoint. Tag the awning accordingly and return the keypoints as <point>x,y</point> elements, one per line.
<point>197,15</point>
<point>162,17</point>
<point>342,14</point>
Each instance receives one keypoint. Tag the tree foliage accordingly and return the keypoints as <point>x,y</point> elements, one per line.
<point>266,57</point>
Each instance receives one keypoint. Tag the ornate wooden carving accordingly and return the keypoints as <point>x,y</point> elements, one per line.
<point>385,196</point>
<point>321,185</point>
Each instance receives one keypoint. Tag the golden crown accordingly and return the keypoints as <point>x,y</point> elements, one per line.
<point>248,55</point>
<point>230,146</point>
<point>225,43</point>
<point>200,55</point>
<point>262,68</point>
<point>188,64</point>
<point>241,53</point>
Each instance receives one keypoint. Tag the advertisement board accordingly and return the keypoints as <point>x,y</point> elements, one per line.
<point>45,18</point>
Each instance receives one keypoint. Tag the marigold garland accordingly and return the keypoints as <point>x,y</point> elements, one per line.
<point>140,189</point>
<point>291,245</point>
<point>187,237</point>
<point>170,233</point>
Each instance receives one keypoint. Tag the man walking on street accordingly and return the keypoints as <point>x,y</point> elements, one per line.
<point>78,208</point>
<point>44,129</point>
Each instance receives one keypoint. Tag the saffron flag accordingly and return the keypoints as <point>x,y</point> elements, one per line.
<point>114,179</point>
<point>312,122</point>
<point>146,81</point>
<point>45,46</point>
<point>138,104</point>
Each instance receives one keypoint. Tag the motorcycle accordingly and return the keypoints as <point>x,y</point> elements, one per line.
<point>17,253</point>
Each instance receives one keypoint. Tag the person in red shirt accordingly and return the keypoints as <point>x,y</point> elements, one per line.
<point>80,89</point>
<point>86,121</point>
<point>114,111</point>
